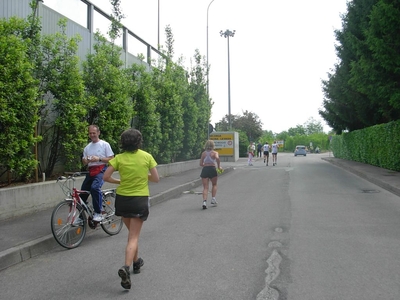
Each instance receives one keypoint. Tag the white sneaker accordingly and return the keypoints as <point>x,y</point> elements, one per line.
<point>214,202</point>
<point>97,217</point>
<point>204,204</point>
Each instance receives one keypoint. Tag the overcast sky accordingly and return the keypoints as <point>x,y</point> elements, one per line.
<point>279,54</point>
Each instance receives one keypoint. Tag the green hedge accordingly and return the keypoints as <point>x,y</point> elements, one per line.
<point>377,145</point>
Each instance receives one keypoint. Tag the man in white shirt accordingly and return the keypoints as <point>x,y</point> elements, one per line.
<point>96,155</point>
<point>266,152</point>
<point>274,153</point>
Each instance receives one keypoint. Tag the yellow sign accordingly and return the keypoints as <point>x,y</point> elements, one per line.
<point>223,143</point>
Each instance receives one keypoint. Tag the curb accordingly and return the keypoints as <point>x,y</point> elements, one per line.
<point>26,251</point>
<point>365,176</point>
<point>41,245</point>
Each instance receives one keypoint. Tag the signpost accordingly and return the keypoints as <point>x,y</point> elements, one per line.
<point>226,144</point>
<point>223,143</point>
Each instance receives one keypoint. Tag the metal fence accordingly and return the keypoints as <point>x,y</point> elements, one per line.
<point>87,20</point>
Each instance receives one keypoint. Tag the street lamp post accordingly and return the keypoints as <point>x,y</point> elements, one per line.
<point>207,45</point>
<point>208,87</point>
<point>227,33</point>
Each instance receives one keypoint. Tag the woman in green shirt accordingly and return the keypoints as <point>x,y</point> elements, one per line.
<point>136,168</point>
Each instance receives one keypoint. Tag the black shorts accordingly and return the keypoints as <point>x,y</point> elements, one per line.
<point>266,153</point>
<point>208,172</point>
<point>132,206</point>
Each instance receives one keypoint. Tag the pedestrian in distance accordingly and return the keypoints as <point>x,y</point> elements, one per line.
<point>96,155</point>
<point>259,149</point>
<point>136,168</point>
<point>266,152</point>
<point>274,153</point>
<point>208,159</point>
<point>251,151</point>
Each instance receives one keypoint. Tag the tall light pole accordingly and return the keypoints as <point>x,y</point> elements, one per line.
<point>158,39</point>
<point>207,45</point>
<point>227,33</point>
<point>208,70</point>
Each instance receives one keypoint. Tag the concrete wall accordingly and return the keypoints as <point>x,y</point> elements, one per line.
<point>21,200</point>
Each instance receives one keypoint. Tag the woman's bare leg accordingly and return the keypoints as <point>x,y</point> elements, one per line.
<point>214,186</point>
<point>134,226</point>
<point>205,188</point>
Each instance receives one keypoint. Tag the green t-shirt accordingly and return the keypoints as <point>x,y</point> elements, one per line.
<point>133,170</point>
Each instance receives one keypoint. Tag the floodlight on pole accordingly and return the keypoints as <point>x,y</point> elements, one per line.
<point>227,33</point>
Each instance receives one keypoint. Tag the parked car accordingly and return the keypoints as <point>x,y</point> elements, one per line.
<point>300,150</point>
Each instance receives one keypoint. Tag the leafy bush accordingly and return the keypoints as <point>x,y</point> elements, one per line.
<point>18,105</point>
<point>377,145</point>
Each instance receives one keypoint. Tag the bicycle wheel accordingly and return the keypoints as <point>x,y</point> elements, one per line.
<point>67,233</point>
<point>111,223</point>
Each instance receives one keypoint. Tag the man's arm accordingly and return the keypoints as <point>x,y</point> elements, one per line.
<point>105,159</point>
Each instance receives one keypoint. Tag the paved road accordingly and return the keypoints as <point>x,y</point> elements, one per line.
<point>304,229</point>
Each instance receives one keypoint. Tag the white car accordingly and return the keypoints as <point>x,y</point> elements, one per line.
<point>300,150</point>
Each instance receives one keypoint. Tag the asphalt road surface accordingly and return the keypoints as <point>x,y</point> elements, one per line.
<point>304,229</point>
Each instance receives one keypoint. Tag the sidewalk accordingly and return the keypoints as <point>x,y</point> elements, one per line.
<point>29,236</point>
<point>386,179</point>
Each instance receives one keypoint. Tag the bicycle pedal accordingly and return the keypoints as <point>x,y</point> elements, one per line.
<point>92,224</point>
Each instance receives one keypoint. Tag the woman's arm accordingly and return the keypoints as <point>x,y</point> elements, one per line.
<point>217,159</point>
<point>108,176</point>
<point>202,159</point>
<point>153,176</point>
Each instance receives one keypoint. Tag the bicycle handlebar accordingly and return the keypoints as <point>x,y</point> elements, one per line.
<point>75,174</point>
<point>71,175</point>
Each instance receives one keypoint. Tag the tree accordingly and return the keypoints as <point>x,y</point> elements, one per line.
<point>198,91</point>
<point>223,124</point>
<point>383,41</point>
<point>18,94</point>
<point>298,130</point>
<point>63,114</point>
<point>107,89</point>
<point>116,17</point>
<point>312,126</point>
<point>340,101</point>
<point>267,136</point>
<point>146,118</point>
<point>369,74</point>
<point>364,89</point>
<point>249,123</point>
<point>167,81</point>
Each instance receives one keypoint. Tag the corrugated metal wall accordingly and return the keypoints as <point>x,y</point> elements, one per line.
<point>11,8</point>
<point>50,18</point>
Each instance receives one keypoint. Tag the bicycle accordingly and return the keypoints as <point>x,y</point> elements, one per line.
<point>70,218</point>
